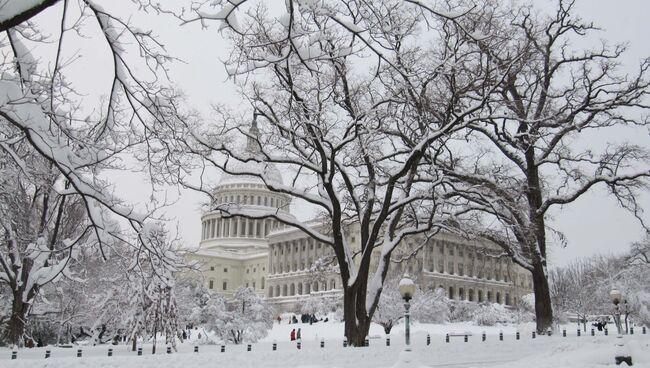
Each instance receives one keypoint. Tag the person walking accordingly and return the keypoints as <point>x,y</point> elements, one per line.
<point>293,335</point>
<point>298,335</point>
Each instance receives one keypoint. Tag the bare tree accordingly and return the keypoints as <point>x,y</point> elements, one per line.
<point>640,252</point>
<point>535,153</point>
<point>351,103</point>
<point>41,231</point>
<point>41,112</point>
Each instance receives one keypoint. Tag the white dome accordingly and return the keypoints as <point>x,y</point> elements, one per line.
<point>267,170</point>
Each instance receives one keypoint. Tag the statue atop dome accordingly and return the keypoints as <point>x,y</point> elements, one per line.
<point>253,162</point>
<point>252,141</point>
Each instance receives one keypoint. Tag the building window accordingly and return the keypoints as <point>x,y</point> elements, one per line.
<point>353,239</point>
<point>224,285</point>
<point>211,268</point>
<point>450,268</point>
<point>225,270</point>
<point>211,284</point>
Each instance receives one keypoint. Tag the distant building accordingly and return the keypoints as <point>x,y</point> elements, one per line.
<point>279,262</point>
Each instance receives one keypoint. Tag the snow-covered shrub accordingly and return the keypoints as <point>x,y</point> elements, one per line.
<point>641,302</point>
<point>427,306</point>
<point>390,308</point>
<point>208,316</point>
<point>524,310</point>
<point>431,306</point>
<point>491,314</point>
<point>462,311</point>
<point>318,305</point>
<point>248,319</point>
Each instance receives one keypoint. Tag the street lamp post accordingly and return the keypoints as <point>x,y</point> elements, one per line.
<point>407,289</point>
<point>627,312</point>
<point>622,354</point>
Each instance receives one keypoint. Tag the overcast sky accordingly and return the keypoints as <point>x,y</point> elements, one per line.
<point>593,224</point>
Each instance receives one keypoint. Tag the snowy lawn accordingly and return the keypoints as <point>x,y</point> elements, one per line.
<point>555,351</point>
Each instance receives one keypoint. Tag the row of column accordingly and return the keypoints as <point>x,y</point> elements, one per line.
<point>290,256</point>
<point>238,227</point>
<point>480,295</point>
<point>438,259</point>
<point>252,200</point>
<point>300,288</point>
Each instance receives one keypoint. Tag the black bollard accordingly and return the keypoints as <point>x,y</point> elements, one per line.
<point>79,353</point>
<point>534,334</point>
<point>110,352</point>
<point>593,333</point>
<point>139,351</point>
<point>466,338</point>
<point>366,343</point>
<point>643,330</point>
<point>322,343</point>
<point>14,355</point>
<point>578,333</point>
<point>606,332</point>
<point>169,350</point>
<point>564,333</point>
<point>47,354</point>
<point>428,339</point>
<point>298,345</point>
<point>483,336</point>
<point>500,335</point>
<point>447,338</point>
<point>223,348</point>
<point>631,330</point>
<point>345,343</point>
<point>388,341</point>
<point>248,347</point>
<point>275,346</point>
<point>196,348</point>
<point>517,335</point>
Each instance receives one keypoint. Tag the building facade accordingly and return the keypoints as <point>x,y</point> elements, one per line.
<point>287,266</point>
<point>466,270</point>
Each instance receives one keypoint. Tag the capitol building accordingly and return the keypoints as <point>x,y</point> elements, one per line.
<point>279,262</point>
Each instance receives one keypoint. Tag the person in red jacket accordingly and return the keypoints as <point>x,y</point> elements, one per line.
<point>293,334</point>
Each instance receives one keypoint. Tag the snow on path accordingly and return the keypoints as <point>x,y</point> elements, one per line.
<point>542,352</point>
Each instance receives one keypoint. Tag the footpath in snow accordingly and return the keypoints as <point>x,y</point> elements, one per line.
<point>541,352</point>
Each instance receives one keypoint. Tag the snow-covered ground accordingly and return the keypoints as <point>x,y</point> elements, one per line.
<point>556,351</point>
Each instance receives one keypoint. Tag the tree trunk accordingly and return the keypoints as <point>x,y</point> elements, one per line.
<point>543,308</point>
<point>357,323</point>
<point>16,324</point>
